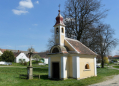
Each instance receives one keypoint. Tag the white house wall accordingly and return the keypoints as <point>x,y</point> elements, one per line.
<point>1,53</point>
<point>46,60</point>
<point>21,56</point>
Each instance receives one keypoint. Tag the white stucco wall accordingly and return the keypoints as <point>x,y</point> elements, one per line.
<point>21,56</point>
<point>1,53</point>
<point>46,60</point>
<point>76,66</point>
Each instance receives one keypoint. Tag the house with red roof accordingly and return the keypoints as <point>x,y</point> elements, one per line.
<point>19,55</point>
<point>42,55</point>
<point>69,58</point>
<point>113,57</point>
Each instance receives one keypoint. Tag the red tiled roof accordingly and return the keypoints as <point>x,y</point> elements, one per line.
<point>79,47</point>
<point>16,54</point>
<point>109,56</point>
<point>2,50</point>
<point>41,54</point>
<point>116,56</point>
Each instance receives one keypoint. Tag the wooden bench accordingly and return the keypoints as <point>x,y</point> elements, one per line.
<point>36,76</point>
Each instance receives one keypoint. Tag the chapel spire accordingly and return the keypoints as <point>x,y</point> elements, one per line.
<point>59,30</point>
<point>59,20</point>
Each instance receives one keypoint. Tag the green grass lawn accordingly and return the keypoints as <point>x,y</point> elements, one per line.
<point>116,66</point>
<point>10,77</point>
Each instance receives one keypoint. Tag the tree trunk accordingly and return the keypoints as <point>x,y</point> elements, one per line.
<point>102,66</point>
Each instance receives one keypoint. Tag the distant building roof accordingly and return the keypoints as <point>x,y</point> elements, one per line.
<point>109,56</point>
<point>2,50</point>
<point>41,54</point>
<point>116,56</point>
<point>16,54</point>
<point>25,52</point>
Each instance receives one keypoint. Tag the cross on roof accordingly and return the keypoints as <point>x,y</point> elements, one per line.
<point>59,6</point>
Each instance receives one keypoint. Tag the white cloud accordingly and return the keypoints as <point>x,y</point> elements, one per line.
<point>19,12</point>
<point>23,6</point>
<point>26,4</point>
<point>37,2</point>
<point>6,46</point>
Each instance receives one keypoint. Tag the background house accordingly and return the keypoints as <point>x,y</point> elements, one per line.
<point>111,58</point>
<point>42,55</point>
<point>19,57</point>
<point>23,55</point>
<point>2,51</point>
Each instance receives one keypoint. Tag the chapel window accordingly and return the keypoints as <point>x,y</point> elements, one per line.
<point>87,66</point>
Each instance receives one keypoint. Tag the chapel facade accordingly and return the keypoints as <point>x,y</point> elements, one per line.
<point>69,58</point>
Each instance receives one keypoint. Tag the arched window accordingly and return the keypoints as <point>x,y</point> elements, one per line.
<point>87,66</point>
<point>62,30</point>
<point>57,30</point>
<point>55,50</point>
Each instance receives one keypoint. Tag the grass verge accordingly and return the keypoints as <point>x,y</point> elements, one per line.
<point>10,77</point>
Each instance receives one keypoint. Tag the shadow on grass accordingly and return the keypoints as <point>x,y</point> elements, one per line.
<point>44,77</point>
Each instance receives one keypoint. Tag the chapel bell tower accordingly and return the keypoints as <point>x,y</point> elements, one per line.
<point>59,30</point>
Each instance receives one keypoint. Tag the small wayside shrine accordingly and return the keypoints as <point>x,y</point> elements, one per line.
<point>69,58</point>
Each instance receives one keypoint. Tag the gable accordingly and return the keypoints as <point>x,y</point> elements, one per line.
<point>21,55</point>
<point>69,46</point>
<point>79,47</point>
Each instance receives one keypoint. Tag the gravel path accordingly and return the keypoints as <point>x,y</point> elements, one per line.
<point>111,82</point>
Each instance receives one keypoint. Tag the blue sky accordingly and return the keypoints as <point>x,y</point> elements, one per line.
<point>26,23</point>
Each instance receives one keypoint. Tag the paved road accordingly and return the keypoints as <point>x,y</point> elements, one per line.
<point>111,82</point>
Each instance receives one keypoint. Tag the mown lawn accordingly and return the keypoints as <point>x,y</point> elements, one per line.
<point>9,76</point>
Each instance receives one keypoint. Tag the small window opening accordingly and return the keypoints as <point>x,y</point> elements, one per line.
<point>62,30</point>
<point>57,30</point>
<point>87,66</point>
<point>55,50</point>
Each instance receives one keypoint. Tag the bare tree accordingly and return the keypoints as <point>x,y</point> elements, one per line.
<point>31,49</point>
<point>106,40</point>
<point>51,41</point>
<point>80,15</point>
